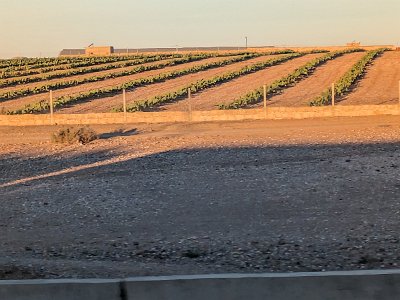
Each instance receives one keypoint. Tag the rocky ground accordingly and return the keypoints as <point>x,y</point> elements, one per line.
<point>267,196</point>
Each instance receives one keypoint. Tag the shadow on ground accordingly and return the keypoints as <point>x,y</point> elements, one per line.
<point>298,208</point>
<point>118,133</point>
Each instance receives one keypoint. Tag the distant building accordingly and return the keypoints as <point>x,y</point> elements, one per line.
<point>99,51</point>
<point>72,52</point>
<point>88,51</point>
<point>109,50</point>
<point>353,44</point>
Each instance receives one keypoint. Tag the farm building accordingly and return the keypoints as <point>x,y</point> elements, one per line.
<point>108,50</point>
<point>99,51</point>
<point>353,44</point>
<point>72,52</point>
<point>89,51</point>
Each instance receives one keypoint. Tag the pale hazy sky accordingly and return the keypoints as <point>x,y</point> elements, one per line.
<point>34,27</point>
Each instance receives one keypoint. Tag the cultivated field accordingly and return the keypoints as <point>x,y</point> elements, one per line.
<point>302,93</point>
<point>381,82</point>
<point>159,199</point>
<point>226,92</point>
<point>106,104</point>
<point>221,80</point>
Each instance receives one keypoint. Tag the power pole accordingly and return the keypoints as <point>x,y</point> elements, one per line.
<point>246,41</point>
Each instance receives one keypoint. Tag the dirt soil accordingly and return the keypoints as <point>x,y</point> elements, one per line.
<point>260,196</point>
<point>380,84</point>
<point>106,104</point>
<point>229,91</point>
<point>21,102</point>
<point>306,90</point>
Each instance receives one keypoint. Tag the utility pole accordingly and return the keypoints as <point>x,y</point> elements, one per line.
<point>265,100</point>
<point>190,104</point>
<point>246,41</point>
<point>124,104</point>
<point>51,108</point>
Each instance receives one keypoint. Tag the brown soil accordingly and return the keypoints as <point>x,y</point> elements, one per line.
<point>221,197</point>
<point>21,102</point>
<point>381,82</point>
<point>106,104</point>
<point>229,91</point>
<point>303,92</point>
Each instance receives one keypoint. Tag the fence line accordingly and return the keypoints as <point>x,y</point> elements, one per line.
<point>271,113</point>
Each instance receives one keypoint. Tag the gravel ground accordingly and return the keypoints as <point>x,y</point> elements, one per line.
<point>276,196</point>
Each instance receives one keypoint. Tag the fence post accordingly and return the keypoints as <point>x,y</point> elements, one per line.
<point>265,100</point>
<point>124,104</point>
<point>190,104</point>
<point>51,108</point>
<point>333,94</point>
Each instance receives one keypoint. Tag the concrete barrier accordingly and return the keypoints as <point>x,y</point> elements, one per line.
<point>363,285</point>
<point>354,285</point>
<point>272,113</point>
<point>60,290</point>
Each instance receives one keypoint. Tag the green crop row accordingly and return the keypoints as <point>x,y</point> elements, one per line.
<point>18,62</point>
<point>25,80</point>
<point>206,83</point>
<point>11,73</point>
<point>299,74</point>
<point>344,84</point>
<point>109,91</point>
<point>57,64</point>
<point>35,63</point>
<point>69,83</point>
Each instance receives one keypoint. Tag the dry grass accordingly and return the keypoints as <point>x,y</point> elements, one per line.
<point>70,135</point>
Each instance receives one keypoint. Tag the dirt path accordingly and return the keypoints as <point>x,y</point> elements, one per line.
<point>78,77</point>
<point>303,92</point>
<point>218,197</point>
<point>229,91</point>
<point>106,104</point>
<point>381,83</point>
<point>21,102</point>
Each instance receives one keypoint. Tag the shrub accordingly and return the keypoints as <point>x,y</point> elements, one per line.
<point>70,135</point>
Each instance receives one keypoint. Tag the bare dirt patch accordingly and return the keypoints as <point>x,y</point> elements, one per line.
<point>266,196</point>
<point>303,92</point>
<point>380,84</point>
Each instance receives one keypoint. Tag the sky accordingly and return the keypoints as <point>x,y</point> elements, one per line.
<point>44,27</point>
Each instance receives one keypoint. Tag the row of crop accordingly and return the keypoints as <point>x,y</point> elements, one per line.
<point>345,83</point>
<point>19,72</point>
<point>14,94</point>
<point>19,62</point>
<point>113,90</point>
<point>37,63</point>
<point>82,71</point>
<point>277,86</point>
<point>4,74</point>
<point>206,83</point>
<point>10,95</point>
